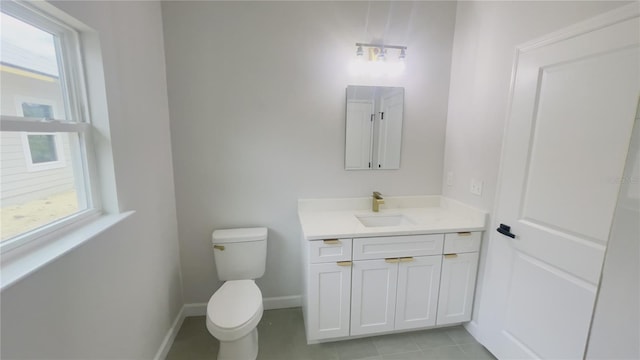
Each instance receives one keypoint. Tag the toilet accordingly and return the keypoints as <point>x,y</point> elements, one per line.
<point>235,309</point>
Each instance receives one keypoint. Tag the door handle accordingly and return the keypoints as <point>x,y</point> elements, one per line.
<point>506,231</point>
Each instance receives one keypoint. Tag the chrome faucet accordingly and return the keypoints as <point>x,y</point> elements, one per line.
<point>377,201</point>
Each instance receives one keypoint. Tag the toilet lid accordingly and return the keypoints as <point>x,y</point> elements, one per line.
<point>234,304</point>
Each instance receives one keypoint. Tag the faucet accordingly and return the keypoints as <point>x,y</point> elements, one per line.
<point>377,201</point>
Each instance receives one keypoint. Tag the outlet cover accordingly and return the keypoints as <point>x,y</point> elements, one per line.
<point>450,178</point>
<point>476,187</point>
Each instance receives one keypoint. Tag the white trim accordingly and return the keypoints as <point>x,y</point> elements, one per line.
<point>45,233</point>
<point>14,123</point>
<point>595,23</point>
<point>27,259</point>
<point>163,351</point>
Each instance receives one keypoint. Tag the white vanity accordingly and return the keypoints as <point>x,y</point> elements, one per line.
<point>412,265</point>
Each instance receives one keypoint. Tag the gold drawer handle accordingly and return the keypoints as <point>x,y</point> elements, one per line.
<point>344,263</point>
<point>331,242</point>
<point>450,256</point>
<point>219,247</point>
<point>392,260</point>
<point>466,233</point>
<point>406,259</point>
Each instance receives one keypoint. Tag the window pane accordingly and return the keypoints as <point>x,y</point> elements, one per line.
<point>38,193</point>
<point>42,148</point>
<point>37,110</point>
<point>31,84</point>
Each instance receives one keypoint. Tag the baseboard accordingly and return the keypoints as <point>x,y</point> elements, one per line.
<point>473,329</point>
<point>280,302</point>
<point>198,309</point>
<point>171,335</point>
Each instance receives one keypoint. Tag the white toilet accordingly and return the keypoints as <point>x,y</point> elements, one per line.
<point>234,311</point>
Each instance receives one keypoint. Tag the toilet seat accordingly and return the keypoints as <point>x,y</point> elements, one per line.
<point>234,310</point>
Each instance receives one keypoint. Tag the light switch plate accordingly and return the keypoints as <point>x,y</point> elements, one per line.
<point>450,178</point>
<point>476,187</point>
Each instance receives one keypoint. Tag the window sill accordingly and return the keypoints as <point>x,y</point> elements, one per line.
<point>20,264</point>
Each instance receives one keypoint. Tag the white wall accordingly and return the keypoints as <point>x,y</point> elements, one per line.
<point>117,295</point>
<point>257,103</point>
<point>486,35</point>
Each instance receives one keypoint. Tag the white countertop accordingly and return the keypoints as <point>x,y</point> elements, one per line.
<point>336,218</point>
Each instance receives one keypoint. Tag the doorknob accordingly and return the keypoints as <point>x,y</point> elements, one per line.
<point>506,231</point>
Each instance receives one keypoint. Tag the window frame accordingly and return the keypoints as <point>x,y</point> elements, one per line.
<point>75,102</point>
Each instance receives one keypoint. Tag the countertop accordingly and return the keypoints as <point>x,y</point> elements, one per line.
<point>336,218</point>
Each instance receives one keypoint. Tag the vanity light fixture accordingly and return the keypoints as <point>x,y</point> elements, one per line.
<point>379,51</point>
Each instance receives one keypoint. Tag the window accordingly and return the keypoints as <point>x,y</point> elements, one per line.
<point>35,110</point>
<point>46,153</point>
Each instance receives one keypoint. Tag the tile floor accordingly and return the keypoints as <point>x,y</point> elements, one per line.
<point>281,337</point>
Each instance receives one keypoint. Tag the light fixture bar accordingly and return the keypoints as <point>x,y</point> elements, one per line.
<point>383,46</point>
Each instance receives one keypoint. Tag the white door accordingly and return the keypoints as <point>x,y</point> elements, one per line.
<point>417,299</point>
<point>457,286</point>
<point>373,296</point>
<point>329,300</point>
<point>359,135</point>
<point>568,132</point>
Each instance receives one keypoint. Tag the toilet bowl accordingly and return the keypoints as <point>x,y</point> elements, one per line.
<point>233,314</point>
<point>235,309</point>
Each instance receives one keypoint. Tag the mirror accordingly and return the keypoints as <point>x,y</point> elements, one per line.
<point>373,127</point>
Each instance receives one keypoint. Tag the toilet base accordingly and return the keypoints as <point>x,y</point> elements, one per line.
<point>245,348</point>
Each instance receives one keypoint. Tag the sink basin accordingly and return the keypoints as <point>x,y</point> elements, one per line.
<point>383,220</point>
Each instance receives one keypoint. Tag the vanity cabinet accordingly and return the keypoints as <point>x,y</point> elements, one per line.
<point>395,282</point>
<point>458,278</point>
<point>373,298</point>
<point>457,288</point>
<point>373,285</point>
<point>328,293</point>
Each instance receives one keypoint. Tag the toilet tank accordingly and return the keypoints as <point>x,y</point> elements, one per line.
<point>240,254</point>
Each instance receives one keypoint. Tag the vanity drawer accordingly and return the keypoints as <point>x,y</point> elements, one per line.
<point>462,242</point>
<point>329,250</point>
<point>397,246</point>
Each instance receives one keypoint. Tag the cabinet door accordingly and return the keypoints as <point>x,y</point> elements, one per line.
<point>417,299</point>
<point>373,296</point>
<point>457,286</point>
<point>329,299</point>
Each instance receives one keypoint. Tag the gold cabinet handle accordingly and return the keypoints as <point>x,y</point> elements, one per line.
<point>219,247</point>
<point>331,241</point>
<point>392,260</point>
<point>406,259</point>
<point>344,263</point>
<point>450,256</point>
<point>466,233</point>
